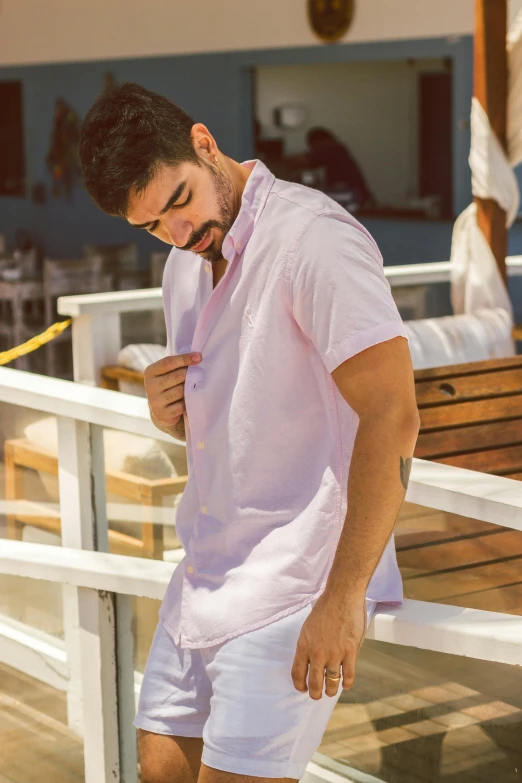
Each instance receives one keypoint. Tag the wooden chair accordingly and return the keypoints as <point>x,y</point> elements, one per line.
<point>22,453</point>
<point>120,263</point>
<point>63,278</point>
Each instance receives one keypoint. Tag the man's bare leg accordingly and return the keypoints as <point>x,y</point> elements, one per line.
<point>211,775</point>
<point>167,759</point>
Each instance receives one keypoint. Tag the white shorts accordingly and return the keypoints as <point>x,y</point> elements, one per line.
<point>239,697</point>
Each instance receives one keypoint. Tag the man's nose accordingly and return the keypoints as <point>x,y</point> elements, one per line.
<point>179,230</point>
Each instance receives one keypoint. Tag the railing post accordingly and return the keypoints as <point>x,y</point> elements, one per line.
<point>96,341</point>
<point>90,616</point>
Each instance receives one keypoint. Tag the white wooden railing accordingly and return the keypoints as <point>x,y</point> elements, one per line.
<point>95,663</point>
<point>96,330</point>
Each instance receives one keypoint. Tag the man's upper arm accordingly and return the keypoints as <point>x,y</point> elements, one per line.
<point>379,380</point>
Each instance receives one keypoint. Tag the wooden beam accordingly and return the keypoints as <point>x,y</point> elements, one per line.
<point>490,88</point>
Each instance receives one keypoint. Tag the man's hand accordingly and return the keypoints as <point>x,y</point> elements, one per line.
<point>329,643</point>
<point>165,387</point>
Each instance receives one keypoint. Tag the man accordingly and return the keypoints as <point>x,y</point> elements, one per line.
<point>289,377</point>
<point>341,169</point>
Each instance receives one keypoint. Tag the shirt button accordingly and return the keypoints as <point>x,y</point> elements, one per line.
<point>208,268</point>
<point>204,509</point>
<point>200,444</point>
<point>190,569</point>
<point>238,245</point>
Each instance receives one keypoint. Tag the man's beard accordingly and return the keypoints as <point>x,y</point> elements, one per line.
<point>224,193</point>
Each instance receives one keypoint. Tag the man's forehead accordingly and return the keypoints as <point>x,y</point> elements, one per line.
<point>152,199</point>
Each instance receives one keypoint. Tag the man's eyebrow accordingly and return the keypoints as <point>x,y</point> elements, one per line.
<point>172,200</point>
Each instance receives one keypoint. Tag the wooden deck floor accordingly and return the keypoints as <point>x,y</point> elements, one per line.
<point>412,716</point>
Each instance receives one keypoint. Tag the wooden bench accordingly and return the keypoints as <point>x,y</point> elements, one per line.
<point>471,417</point>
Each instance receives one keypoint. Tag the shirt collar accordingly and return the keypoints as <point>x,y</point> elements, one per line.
<point>255,194</point>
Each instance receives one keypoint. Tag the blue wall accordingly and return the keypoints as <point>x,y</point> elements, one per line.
<point>216,90</point>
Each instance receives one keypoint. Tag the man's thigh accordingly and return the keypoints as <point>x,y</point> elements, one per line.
<point>168,759</point>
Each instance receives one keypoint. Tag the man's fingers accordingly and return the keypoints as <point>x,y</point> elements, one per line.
<point>349,670</point>
<point>332,686</point>
<point>316,678</point>
<point>168,380</point>
<point>170,363</point>
<point>299,671</point>
<point>172,412</point>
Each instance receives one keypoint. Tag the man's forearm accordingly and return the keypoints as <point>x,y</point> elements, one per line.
<point>177,431</point>
<point>377,483</point>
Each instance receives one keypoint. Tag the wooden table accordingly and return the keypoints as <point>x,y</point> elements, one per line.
<point>18,292</point>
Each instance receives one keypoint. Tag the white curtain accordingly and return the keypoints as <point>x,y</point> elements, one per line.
<point>476,282</point>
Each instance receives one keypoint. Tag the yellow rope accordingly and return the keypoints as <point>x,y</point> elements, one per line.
<point>35,342</point>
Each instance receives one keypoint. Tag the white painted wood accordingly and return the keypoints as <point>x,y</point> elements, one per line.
<point>96,341</point>
<point>99,679</point>
<point>319,770</point>
<point>89,615</point>
<point>126,684</point>
<point>33,652</point>
<point>111,302</point>
<point>98,570</point>
<point>74,479</point>
<point>75,400</point>
<point>488,636</point>
<point>467,492</point>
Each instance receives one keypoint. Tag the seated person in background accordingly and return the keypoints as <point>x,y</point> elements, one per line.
<point>341,169</point>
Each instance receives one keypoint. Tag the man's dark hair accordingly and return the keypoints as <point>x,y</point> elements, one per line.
<point>127,134</point>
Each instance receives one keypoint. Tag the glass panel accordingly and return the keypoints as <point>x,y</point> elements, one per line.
<point>36,742</point>
<point>416,716</point>
<point>29,511</point>
<point>145,480</point>
<point>456,560</point>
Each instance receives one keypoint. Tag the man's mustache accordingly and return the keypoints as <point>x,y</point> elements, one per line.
<point>196,238</point>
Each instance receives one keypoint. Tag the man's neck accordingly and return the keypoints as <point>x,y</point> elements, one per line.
<point>218,270</point>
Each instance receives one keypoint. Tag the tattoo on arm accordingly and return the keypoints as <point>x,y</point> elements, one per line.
<point>405,471</point>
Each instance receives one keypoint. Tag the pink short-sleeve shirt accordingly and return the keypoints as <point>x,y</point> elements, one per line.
<point>269,436</point>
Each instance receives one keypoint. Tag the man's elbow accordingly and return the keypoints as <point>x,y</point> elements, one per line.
<point>400,416</point>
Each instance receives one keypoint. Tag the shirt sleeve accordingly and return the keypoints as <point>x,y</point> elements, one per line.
<point>341,298</point>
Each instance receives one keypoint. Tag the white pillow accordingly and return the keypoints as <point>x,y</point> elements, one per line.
<point>138,356</point>
<point>455,339</point>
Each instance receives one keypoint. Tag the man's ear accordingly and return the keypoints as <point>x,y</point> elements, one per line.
<point>203,141</point>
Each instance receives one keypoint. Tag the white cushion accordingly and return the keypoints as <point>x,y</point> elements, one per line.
<point>138,356</point>
<point>455,339</point>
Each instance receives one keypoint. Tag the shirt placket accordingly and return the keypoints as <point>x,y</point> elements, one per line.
<point>194,398</point>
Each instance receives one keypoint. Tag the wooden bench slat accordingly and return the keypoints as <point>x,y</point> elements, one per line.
<point>431,537</point>
<point>444,443</point>
<point>469,387</point>
<point>459,553</point>
<point>507,600</point>
<point>444,587</point>
<point>496,461</point>
<point>463,413</point>
<point>469,368</point>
